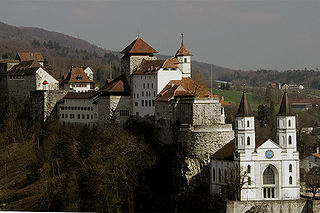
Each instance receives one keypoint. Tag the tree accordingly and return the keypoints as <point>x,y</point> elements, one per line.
<point>223,86</point>
<point>228,86</point>
<point>98,75</point>
<point>47,65</point>
<point>264,114</point>
<point>312,182</point>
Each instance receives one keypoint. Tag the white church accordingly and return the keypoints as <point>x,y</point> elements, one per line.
<point>270,169</point>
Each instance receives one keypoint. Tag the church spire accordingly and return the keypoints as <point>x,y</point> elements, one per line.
<point>244,108</point>
<point>285,108</point>
<point>182,51</point>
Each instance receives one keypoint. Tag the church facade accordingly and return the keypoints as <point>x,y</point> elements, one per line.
<point>269,169</point>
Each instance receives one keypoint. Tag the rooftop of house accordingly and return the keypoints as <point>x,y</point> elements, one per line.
<point>25,68</point>
<point>151,67</point>
<point>138,46</point>
<point>302,101</point>
<point>27,56</point>
<point>118,86</point>
<point>226,152</point>
<point>76,75</point>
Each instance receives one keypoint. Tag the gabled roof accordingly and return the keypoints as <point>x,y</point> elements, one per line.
<point>76,75</point>
<point>28,56</point>
<point>138,46</point>
<point>151,67</point>
<point>226,152</point>
<point>182,51</point>
<point>25,68</point>
<point>118,86</point>
<point>316,155</point>
<point>186,87</point>
<point>285,108</point>
<point>244,107</point>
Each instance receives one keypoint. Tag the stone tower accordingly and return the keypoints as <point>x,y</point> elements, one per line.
<point>184,58</point>
<point>286,126</point>
<point>133,55</point>
<point>244,127</point>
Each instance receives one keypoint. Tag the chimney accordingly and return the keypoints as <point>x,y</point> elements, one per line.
<point>318,150</point>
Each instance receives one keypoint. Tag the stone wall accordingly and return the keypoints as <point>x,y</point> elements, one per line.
<point>277,206</point>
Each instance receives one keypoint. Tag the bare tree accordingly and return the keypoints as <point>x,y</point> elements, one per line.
<point>312,182</point>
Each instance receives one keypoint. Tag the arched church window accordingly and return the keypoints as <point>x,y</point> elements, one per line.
<point>289,123</point>
<point>213,174</point>
<point>290,167</point>
<point>248,124</point>
<point>268,176</point>
<point>249,169</point>
<point>248,141</point>
<point>290,139</point>
<point>290,180</point>
<point>219,175</point>
<point>249,181</point>
<point>282,138</point>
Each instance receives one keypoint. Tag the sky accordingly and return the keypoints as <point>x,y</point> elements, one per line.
<point>238,34</point>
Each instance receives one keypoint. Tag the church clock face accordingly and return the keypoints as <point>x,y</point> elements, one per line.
<point>269,154</point>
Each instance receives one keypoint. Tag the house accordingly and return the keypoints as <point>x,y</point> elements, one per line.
<point>30,56</point>
<point>304,103</point>
<point>310,161</point>
<point>270,169</point>
<point>78,80</point>
<point>28,76</point>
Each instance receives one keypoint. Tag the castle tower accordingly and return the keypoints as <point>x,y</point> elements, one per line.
<point>244,127</point>
<point>184,58</point>
<point>133,55</point>
<point>286,125</point>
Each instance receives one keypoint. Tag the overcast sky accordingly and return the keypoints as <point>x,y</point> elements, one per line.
<point>238,34</point>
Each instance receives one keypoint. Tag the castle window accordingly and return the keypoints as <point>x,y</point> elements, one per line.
<point>148,85</point>
<point>249,181</point>
<point>225,176</point>
<point>66,115</point>
<point>134,95</point>
<point>249,169</point>
<point>290,180</point>
<point>137,95</point>
<point>136,103</point>
<point>290,167</point>
<point>78,116</point>
<point>290,139</point>
<point>213,175</point>
<point>144,85</point>
<point>151,85</point>
<point>248,124</point>
<point>62,115</point>
<point>91,116</point>
<point>236,140</point>
<point>149,102</point>
<point>88,116</point>
<point>83,116</point>
<point>185,60</point>
<point>72,116</point>
<point>142,103</point>
<point>289,123</point>
<point>248,141</point>
<point>278,123</point>
<point>146,102</point>
<point>81,108</point>
<point>154,93</point>
<point>142,93</point>
<point>219,175</point>
<point>152,102</point>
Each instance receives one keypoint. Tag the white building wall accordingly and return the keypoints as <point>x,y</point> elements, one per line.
<point>89,73</point>
<point>41,76</point>
<point>80,111</point>
<point>78,87</point>
<point>165,76</point>
<point>185,65</point>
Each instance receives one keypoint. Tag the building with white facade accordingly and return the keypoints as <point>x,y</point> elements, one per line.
<point>78,80</point>
<point>271,168</point>
<point>28,76</point>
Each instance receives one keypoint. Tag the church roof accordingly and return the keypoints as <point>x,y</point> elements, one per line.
<point>76,75</point>
<point>182,51</point>
<point>285,108</point>
<point>244,107</point>
<point>138,46</point>
<point>151,67</point>
<point>226,152</point>
<point>28,56</point>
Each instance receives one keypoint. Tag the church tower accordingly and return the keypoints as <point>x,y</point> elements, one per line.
<point>286,125</point>
<point>133,55</point>
<point>184,58</point>
<point>244,127</point>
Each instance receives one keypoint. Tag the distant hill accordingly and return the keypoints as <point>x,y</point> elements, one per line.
<point>63,51</point>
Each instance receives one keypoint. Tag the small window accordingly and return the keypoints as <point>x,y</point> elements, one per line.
<point>219,175</point>
<point>146,102</point>
<point>290,180</point>
<point>290,139</point>
<point>134,95</point>
<point>185,60</point>
<point>248,141</point>
<point>83,116</point>
<point>154,93</point>
<point>88,116</point>
<point>137,95</point>
<point>289,123</point>
<point>78,116</point>
<point>213,174</point>
<point>91,116</point>
<point>248,124</point>
<point>151,85</point>
<point>144,85</point>
<point>149,102</point>
<point>66,115</point>
<point>236,140</point>
<point>152,102</point>
<point>62,115</point>
<point>290,167</point>
<point>148,85</point>
<point>249,181</point>
<point>142,103</point>
<point>72,116</point>
<point>136,103</point>
<point>249,169</point>
<point>142,93</point>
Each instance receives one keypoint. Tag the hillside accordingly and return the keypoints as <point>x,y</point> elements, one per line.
<point>65,51</point>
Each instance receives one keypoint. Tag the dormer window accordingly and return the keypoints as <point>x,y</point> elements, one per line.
<point>79,77</point>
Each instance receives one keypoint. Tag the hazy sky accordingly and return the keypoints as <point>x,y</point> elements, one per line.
<point>238,34</point>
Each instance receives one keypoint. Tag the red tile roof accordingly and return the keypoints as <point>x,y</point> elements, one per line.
<point>28,56</point>
<point>138,46</point>
<point>302,101</point>
<point>316,155</point>
<point>182,51</point>
<point>25,68</point>
<point>226,152</point>
<point>185,87</point>
<point>118,85</point>
<point>151,67</point>
<point>76,75</point>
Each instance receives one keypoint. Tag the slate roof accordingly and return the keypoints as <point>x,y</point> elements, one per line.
<point>138,46</point>
<point>226,152</point>
<point>244,107</point>
<point>186,87</point>
<point>151,67</point>
<point>119,86</point>
<point>285,108</point>
<point>28,56</point>
<point>76,75</point>
<point>25,68</point>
